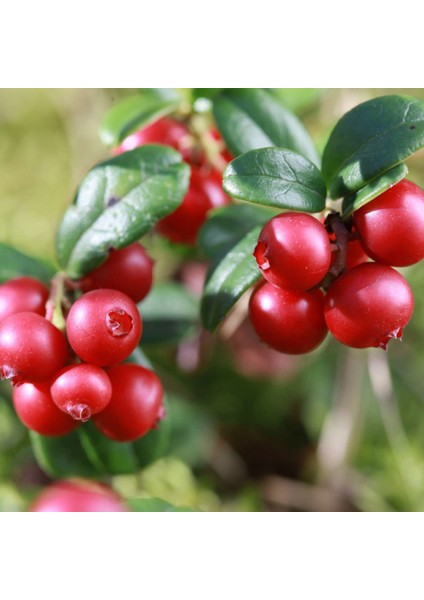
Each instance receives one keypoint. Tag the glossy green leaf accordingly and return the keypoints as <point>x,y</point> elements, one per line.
<point>230,279</point>
<point>169,313</point>
<point>154,505</point>
<point>253,118</point>
<point>276,177</point>
<point>135,111</point>
<point>118,202</point>
<point>228,225</point>
<point>370,139</point>
<point>373,189</point>
<point>16,264</point>
<point>108,456</point>
<point>208,93</point>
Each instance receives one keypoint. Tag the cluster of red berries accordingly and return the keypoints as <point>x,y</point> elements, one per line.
<point>62,379</point>
<point>319,277</point>
<point>205,190</point>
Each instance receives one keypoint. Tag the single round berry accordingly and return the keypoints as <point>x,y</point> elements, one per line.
<point>205,193</point>
<point>81,391</point>
<point>289,321</point>
<point>31,348</point>
<point>293,251</point>
<point>23,294</point>
<point>103,327</point>
<point>136,405</point>
<point>36,409</point>
<point>391,227</point>
<point>78,495</point>
<point>368,306</point>
<point>129,270</point>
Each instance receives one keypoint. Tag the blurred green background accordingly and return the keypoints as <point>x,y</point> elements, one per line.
<point>254,430</point>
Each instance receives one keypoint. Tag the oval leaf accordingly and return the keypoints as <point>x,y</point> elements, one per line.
<point>235,274</point>
<point>169,313</point>
<point>276,177</point>
<point>371,139</point>
<point>373,189</point>
<point>135,111</point>
<point>16,264</point>
<point>253,118</point>
<point>118,202</point>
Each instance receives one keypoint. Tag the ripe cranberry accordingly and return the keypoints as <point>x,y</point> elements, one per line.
<point>293,251</point>
<point>136,405</point>
<point>205,193</point>
<point>104,327</point>
<point>31,348</point>
<point>368,306</point>
<point>167,131</point>
<point>36,409</point>
<point>289,321</point>
<point>129,270</point>
<point>23,294</point>
<point>81,391</point>
<point>78,495</point>
<point>391,227</point>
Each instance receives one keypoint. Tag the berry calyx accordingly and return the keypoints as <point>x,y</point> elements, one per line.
<point>31,348</point>
<point>78,495</point>
<point>81,391</point>
<point>293,251</point>
<point>35,408</point>
<point>391,227</point>
<point>23,294</point>
<point>103,327</point>
<point>368,306</point>
<point>289,321</point>
<point>136,404</point>
<point>128,270</point>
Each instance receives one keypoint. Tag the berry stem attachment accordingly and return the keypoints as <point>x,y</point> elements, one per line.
<point>211,147</point>
<point>334,224</point>
<point>54,312</point>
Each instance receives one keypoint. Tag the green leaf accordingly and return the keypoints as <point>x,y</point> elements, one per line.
<point>113,458</point>
<point>370,139</point>
<point>373,189</point>
<point>253,118</point>
<point>118,202</point>
<point>16,264</point>
<point>235,274</point>
<point>208,93</point>
<point>134,112</point>
<point>276,177</point>
<point>169,313</point>
<point>154,505</point>
<point>228,225</point>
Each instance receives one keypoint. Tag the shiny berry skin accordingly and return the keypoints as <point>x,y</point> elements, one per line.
<point>136,405</point>
<point>78,495</point>
<point>35,408</point>
<point>103,327</point>
<point>293,251</point>
<point>289,321</point>
<point>391,227</point>
<point>204,193</point>
<point>81,391</point>
<point>23,294</point>
<point>31,348</point>
<point>355,254</point>
<point>167,131</point>
<point>369,305</point>
<point>128,270</point>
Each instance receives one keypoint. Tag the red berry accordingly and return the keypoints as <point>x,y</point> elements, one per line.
<point>293,251</point>
<point>81,391</point>
<point>36,409</point>
<point>391,226</point>
<point>355,254</point>
<point>77,495</point>
<point>104,327</point>
<point>23,294</point>
<point>167,131</point>
<point>129,270</point>
<point>205,193</point>
<point>289,321</point>
<point>368,306</point>
<point>31,348</point>
<point>136,405</point>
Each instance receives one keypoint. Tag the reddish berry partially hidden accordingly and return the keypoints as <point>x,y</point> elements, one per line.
<point>293,251</point>
<point>23,294</point>
<point>166,130</point>
<point>78,495</point>
<point>368,306</point>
